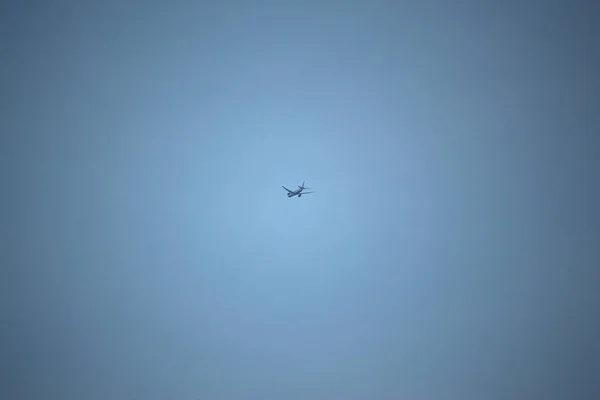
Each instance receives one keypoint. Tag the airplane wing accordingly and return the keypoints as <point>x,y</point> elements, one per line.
<point>289,191</point>
<point>306,192</point>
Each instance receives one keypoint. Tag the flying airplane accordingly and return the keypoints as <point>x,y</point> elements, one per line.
<point>299,192</point>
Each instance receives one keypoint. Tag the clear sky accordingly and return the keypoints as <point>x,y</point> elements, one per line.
<point>148,251</point>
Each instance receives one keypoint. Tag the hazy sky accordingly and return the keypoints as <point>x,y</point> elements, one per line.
<point>148,251</point>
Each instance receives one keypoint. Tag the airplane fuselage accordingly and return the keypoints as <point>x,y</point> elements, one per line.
<point>295,193</point>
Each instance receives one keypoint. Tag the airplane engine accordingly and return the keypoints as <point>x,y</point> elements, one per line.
<point>300,194</point>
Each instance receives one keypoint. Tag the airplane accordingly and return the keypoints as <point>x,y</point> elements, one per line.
<point>299,192</point>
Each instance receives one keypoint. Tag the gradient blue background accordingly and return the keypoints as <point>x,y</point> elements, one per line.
<point>148,250</point>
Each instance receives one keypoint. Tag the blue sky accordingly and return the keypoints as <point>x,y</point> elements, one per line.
<point>148,250</point>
